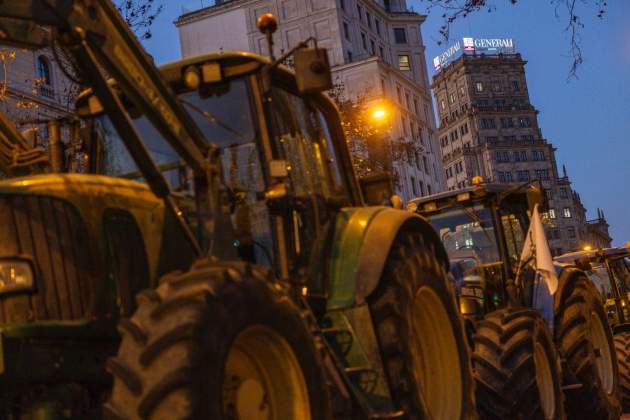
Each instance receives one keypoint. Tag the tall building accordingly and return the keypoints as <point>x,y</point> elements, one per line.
<point>488,127</point>
<point>597,232</point>
<point>376,52</point>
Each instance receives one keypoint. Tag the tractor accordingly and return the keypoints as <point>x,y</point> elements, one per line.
<point>532,348</point>
<point>268,283</point>
<point>609,270</point>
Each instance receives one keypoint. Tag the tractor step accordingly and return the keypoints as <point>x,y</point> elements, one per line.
<point>358,369</point>
<point>571,387</point>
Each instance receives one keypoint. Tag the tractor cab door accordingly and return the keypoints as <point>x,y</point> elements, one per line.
<point>304,167</point>
<point>620,274</point>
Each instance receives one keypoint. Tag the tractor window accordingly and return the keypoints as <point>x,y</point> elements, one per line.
<point>621,273</point>
<point>514,235</point>
<point>302,139</point>
<point>468,229</point>
<point>599,276</point>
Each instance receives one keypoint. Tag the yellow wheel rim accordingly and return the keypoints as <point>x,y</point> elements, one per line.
<point>603,355</point>
<point>435,357</point>
<point>263,379</point>
<point>544,380</point>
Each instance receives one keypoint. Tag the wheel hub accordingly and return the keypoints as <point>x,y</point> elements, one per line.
<point>544,380</point>
<point>603,356</point>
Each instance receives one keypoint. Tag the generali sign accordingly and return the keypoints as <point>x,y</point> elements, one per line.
<point>474,45</point>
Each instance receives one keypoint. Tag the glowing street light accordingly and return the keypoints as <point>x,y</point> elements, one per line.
<point>379,114</point>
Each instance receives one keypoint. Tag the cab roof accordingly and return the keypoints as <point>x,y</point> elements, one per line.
<point>475,191</point>
<point>594,253</point>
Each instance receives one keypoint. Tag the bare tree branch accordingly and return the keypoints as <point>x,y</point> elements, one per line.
<point>140,15</point>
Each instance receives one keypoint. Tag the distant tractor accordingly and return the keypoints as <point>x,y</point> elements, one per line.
<point>222,186</point>
<point>528,346</point>
<point>609,270</point>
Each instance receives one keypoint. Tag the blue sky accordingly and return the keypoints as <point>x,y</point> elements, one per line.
<point>587,119</point>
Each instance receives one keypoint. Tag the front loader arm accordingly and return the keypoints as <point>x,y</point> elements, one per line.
<point>15,152</point>
<point>94,30</point>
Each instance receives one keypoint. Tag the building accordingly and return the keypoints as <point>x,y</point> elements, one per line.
<point>34,89</point>
<point>489,127</point>
<point>597,232</point>
<point>376,52</point>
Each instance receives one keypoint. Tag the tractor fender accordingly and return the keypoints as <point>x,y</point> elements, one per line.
<point>363,240</point>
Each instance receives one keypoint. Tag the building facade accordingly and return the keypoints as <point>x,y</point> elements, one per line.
<point>597,231</point>
<point>376,52</point>
<point>35,90</point>
<point>489,128</point>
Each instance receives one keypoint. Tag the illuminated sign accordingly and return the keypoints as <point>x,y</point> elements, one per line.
<point>473,46</point>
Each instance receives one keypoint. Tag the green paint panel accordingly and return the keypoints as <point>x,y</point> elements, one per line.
<point>350,228</point>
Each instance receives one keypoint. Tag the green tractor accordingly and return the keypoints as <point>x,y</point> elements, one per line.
<point>609,270</point>
<point>221,196</point>
<point>532,349</point>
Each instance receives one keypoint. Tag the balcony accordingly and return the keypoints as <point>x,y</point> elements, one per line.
<point>46,91</point>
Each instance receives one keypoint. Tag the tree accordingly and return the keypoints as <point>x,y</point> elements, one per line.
<point>368,137</point>
<point>140,15</point>
<point>569,10</point>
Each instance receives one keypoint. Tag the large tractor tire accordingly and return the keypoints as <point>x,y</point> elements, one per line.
<point>585,342</point>
<point>622,347</point>
<point>222,341</point>
<point>421,335</point>
<point>517,367</point>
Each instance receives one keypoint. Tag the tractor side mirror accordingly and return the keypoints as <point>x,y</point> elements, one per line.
<point>312,70</point>
<point>377,189</point>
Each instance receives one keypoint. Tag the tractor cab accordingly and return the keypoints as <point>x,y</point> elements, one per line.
<point>609,270</point>
<point>483,229</point>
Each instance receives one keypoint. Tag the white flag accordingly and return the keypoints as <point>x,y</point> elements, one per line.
<point>536,247</point>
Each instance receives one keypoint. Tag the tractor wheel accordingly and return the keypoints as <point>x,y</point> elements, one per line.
<point>517,367</point>
<point>421,335</point>
<point>622,347</point>
<point>222,341</point>
<point>585,342</point>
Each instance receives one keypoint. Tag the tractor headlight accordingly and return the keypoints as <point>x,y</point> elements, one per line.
<point>15,275</point>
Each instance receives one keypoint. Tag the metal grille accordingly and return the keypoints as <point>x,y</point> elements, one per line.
<point>50,232</point>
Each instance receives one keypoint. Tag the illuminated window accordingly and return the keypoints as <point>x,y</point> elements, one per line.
<point>552,213</point>
<point>403,63</point>
<point>566,212</point>
<point>479,87</point>
<point>43,70</point>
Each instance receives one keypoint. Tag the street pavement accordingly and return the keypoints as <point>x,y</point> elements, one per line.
<point>625,416</point>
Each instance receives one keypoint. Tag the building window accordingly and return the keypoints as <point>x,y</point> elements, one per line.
<point>524,122</point>
<point>538,155</point>
<point>43,70</point>
<point>515,86</point>
<point>400,36</point>
<point>407,101</point>
<point>542,174</point>
<point>413,186</point>
<point>522,175</point>
<point>507,122</point>
<point>342,4</point>
<point>452,98</point>
<point>479,87</point>
<point>372,47</point>
<point>378,26</point>
<point>552,213</point>
<point>346,31</point>
<point>428,189</point>
<point>359,12</point>
<point>487,123</point>
<point>426,167</point>
<point>383,87</point>
<point>571,232</point>
<point>381,53</point>
<point>563,192</point>
<point>363,41</point>
<point>369,19</point>
<point>421,188</point>
<point>548,193</point>
<point>403,63</point>
<point>398,94</point>
<point>566,212</point>
<point>404,125</point>
<point>502,156</point>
